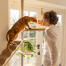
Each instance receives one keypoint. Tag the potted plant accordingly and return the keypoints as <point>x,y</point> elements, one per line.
<point>28,47</point>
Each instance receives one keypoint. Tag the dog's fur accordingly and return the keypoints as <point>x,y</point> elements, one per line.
<point>19,26</point>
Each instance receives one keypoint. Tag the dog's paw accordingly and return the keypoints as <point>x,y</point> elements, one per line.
<point>29,28</point>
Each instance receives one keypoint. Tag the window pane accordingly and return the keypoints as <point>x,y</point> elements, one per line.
<point>33,14</point>
<point>25,13</point>
<point>14,17</point>
<point>59,20</point>
<point>25,34</point>
<point>32,34</point>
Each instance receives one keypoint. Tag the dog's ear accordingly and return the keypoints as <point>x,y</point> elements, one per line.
<point>40,22</point>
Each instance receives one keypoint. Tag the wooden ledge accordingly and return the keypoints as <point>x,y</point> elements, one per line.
<point>37,29</point>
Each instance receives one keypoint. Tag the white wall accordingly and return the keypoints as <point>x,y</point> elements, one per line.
<point>64,46</point>
<point>58,2</point>
<point>3,23</point>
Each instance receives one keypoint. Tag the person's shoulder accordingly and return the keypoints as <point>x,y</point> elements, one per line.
<point>55,31</point>
<point>54,28</point>
<point>52,32</point>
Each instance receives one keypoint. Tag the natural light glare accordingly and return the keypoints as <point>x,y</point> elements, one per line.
<point>59,20</point>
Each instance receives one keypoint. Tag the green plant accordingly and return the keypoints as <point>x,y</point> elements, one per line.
<point>28,46</point>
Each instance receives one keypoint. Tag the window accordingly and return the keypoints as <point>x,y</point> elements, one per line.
<point>33,14</point>
<point>30,34</point>
<point>14,16</point>
<point>25,13</point>
<point>59,20</point>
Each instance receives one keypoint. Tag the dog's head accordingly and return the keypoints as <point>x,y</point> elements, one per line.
<point>33,19</point>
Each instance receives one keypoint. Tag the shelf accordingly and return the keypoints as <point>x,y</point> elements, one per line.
<point>37,29</point>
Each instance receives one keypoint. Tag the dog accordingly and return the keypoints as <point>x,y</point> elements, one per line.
<point>18,27</point>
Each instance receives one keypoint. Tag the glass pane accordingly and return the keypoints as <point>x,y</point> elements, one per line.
<point>32,34</point>
<point>25,13</point>
<point>14,15</point>
<point>59,20</point>
<point>33,14</point>
<point>25,34</point>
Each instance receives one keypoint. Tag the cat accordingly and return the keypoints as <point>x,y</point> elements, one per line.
<point>19,26</point>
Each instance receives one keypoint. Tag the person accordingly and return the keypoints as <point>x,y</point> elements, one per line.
<point>52,36</point>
